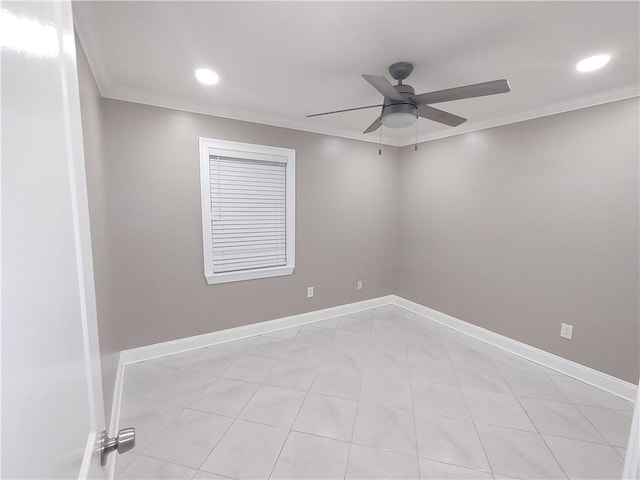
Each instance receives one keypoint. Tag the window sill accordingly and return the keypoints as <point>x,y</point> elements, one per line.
<point>249,274</point>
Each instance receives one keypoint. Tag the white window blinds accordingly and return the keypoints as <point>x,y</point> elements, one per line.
<point>248,214</point>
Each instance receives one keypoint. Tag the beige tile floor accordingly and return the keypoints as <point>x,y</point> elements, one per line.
<point>382,393</point>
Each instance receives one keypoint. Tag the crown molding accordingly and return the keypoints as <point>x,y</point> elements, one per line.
<point>88,44</point>
<point>555,109</point>
<point>563,107</point>
<point>153,101</point>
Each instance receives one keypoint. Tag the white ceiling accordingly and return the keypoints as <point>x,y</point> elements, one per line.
<point>281,61</point>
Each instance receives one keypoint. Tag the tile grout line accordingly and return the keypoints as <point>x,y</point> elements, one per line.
<point>440,415</point>
<point>181,369</point>
<point>473,420</point>
<point>237,416</point>
<point>173,419</point>
<point>236,354</point>
<point>355,418</point>
<point>279,358</point>
<point>289,341</point>
<point>413,408</point>
<point>190,408</point>
<point>620,453</point>
<point>570,402</point>
<point>533,423</point>
<point>299,409</point>
<point>217,377</point>
<point>577,407</point>
<point>597,405</point>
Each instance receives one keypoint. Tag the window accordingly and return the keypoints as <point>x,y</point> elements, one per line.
<point>248,210</point>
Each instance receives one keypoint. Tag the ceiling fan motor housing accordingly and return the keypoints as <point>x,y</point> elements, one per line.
<point>407,106</point>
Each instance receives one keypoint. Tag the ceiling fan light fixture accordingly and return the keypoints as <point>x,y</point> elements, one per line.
<point>398,120</point>
<point>398,115</point>
<point>207,76</point>
<point>590,64</point>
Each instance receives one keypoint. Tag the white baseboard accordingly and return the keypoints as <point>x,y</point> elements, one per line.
<point>149,352</point>
<point>580,372</point>
<point>205,340</point>
<point>588,375</point>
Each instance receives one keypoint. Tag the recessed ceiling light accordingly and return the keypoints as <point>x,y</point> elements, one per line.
<point>592,63</point>
<point>206,76</point>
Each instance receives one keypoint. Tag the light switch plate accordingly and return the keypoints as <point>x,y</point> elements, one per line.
<point>309,292</point>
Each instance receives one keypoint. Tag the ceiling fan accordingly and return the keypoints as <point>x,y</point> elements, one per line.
<point>402,106</point>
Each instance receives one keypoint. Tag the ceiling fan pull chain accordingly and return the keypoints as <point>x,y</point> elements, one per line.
<point>415,147</point>
<point>380,142</point>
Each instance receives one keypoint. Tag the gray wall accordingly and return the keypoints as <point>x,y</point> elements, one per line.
<point>519,228</point>
<point>346,204</point>
<point>516,228</point>
<point>91,112</point>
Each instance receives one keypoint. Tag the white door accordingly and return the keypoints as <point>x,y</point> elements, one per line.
<point>52,407</point>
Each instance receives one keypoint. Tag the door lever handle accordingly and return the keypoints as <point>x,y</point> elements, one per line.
<point>123,442</point>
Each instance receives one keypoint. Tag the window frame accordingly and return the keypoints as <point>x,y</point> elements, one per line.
<point>247,151</point>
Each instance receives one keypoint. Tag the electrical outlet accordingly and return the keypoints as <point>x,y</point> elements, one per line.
<point>359,285</point>
<point>566,331</point>
<point>309,292</point>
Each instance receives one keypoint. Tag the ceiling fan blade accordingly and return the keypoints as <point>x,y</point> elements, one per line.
<point>468,91</point>
<point>345,110</point>
<point>375,125</point>
<point>383,86</point>
<point>439,116</point>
